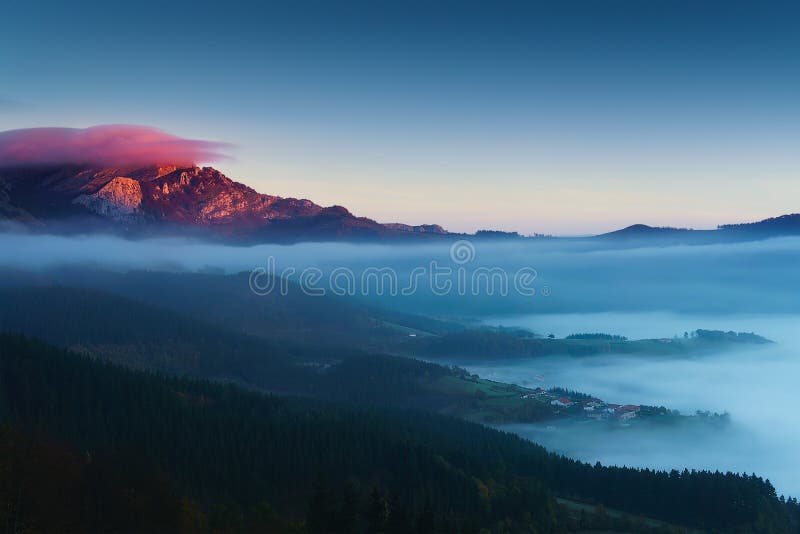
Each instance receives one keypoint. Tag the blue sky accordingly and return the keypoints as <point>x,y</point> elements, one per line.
<point>560,117</point>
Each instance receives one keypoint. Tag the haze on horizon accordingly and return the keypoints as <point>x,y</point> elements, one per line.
<point>567,118</point>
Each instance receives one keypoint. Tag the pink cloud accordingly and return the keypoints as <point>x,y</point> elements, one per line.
<point>110,145</point>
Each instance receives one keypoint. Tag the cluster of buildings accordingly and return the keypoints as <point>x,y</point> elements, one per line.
<point>623,412</point>
<point>591,407</point>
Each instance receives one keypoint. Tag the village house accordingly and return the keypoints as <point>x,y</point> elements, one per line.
<point>629,411</point>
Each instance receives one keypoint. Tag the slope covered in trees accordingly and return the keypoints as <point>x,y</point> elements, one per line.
<point>286,313</point>
<point>143,336</point>
<point>217,455</point>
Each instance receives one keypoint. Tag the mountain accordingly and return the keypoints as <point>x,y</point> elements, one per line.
<point>637,230</point>
<point>176,199</point>
<point>784,225</point>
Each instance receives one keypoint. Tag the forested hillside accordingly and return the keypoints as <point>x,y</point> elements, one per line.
<point>143,336</point>
<point>173,452</point>
<point>227,301</point>
<point>487,343</point>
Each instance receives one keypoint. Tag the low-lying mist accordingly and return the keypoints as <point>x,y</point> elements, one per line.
<point>757,388</point>
<point>572,275</point>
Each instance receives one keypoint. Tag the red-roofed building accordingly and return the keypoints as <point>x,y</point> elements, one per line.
<point>563,401</point>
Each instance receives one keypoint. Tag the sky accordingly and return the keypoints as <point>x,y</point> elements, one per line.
<point>567,117</point>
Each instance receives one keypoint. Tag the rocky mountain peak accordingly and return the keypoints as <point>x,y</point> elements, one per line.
<point>182,197</point>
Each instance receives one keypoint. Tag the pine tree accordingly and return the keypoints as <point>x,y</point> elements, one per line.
<point>378,512</point>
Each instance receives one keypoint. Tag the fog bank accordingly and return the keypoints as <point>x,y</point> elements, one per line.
<point>572,276</point>
<point>758,388</point>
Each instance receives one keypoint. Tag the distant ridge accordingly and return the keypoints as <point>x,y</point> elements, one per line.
<point>782,225</point>
<point>644,230</point>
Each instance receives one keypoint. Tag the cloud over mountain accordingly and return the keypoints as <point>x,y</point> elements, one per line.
<point>107,145</point>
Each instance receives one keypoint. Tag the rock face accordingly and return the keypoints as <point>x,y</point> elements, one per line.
<point>182,198</point>
<point>119,199</point>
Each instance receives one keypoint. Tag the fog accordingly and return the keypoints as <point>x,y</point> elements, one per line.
<point>594,286</point>
<point>758,388</point>
<point>572,276</point>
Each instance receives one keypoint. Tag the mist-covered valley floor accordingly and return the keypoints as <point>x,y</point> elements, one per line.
<point>756,387</point>
<point>582,286</point>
